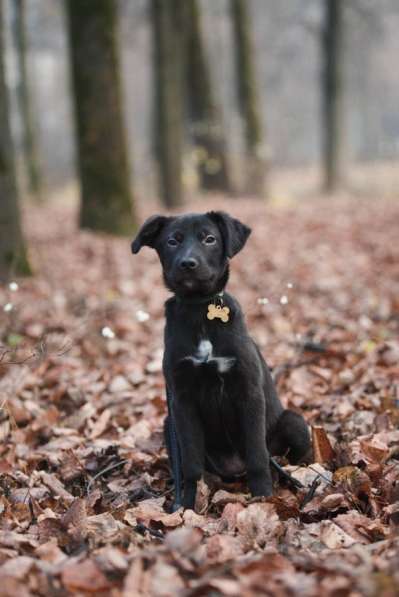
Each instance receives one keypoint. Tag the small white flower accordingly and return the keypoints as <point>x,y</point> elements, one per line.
<point>142,316</point>
<point>290,285</point>
<point>13,286</point>
<point>107,332</point>
<point>263,301</point>
<point>284,299</point>
<point>8,307</point>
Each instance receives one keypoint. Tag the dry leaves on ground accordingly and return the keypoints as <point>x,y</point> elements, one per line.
<point>84,480</point>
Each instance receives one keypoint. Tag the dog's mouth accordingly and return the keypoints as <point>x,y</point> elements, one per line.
<point>201,282</point>
<point>193,284</point>
<point>189,284</point>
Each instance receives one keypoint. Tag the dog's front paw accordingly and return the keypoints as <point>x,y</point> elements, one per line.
<point>190,491</point>
<point>176,506</point>
<point>260,485</point>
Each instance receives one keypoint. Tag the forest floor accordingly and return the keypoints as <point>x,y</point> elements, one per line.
<point>84,479</point>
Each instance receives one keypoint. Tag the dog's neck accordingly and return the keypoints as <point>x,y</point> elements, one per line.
<point>200,300</point>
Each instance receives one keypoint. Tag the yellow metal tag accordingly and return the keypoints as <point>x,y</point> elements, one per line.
<point>218,312</point>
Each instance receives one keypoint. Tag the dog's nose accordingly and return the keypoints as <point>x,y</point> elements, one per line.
<point>188,263</point>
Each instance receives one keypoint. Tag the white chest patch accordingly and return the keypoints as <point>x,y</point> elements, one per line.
<point>204,354</point>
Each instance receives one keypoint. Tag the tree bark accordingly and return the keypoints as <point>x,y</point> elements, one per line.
<point>248,100</point>
<point>30,149</point>
<point>168,97</point>
<point>106,197</point>
<point>332,45</point>
<point>13,258</point>
<point>206,124</point>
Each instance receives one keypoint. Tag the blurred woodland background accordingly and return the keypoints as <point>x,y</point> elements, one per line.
<point>123,101</point>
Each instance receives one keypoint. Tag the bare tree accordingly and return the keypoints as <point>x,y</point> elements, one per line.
<point>30,149</point>
<point>332,92</point>
<point>13,258</point>
<point>168,105</point>
<point>206,123</point>
<point>107,202</point>
<point>248,99</point>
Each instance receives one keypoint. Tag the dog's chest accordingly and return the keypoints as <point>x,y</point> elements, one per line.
<point>204,356</point>
<point>214,390</point>
<point>205,359</point>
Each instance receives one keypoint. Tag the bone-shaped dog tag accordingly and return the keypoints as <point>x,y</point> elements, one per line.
<point>218,312</point>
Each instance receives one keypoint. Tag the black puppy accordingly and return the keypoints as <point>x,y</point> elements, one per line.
<point>222,400</point>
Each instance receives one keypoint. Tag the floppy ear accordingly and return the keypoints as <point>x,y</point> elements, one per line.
<point>234,232</point>
<point>148,233</point>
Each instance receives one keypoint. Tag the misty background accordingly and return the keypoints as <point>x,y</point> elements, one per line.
<point>286,38</point>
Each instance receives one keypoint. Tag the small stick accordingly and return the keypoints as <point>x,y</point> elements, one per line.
<point>142,528</point>
<point>105,470</point>
<point>310,494</point>
<point>326,479</point>
<point>33,518</point>
<point>289,478</point>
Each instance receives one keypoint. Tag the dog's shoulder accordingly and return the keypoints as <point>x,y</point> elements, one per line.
<point>230,301</point>
<point>237,316</point>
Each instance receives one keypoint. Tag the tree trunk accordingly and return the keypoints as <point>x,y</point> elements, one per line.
<point>205,119</point>
<point>168,104</point>
<point>107,202</point>
<point>30,149</point>
<point>333,35</point>
<point>248,100</point>
<point>13,258</point>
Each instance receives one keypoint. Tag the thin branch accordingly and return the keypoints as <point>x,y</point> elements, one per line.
<point>142,528</point>
<point>103,471</point>
<point>285,475</point>
<point>311,493</point>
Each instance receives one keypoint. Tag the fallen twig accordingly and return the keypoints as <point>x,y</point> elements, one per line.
<point>142,528</point>
<point>326,479</point>
<point>102,472</point>
<point>310,494</point>
<point>286,476</point>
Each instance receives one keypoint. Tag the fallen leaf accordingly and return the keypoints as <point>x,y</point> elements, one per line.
<point>333,536</point>
<point>56,486</point>
<point>184,540</point>
<point>102,525</point>
<point>229,516</point>
<point>202,497</point>
<point>101,424</point>
<point>222,497</point>
<point>164,580</point>
<point>119,384</point>
<point>322,448</point>
<point>259,523</point>
<point>84,576</point>
<point>18,567</point>
<point>332,501</point>
<point>222,548</point>
<point>152,510</point>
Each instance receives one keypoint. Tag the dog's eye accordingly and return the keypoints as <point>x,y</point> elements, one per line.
<point>210,239</point>
<point>172,242</point>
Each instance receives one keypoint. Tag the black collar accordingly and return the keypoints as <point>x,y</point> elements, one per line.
<point>216,298</point>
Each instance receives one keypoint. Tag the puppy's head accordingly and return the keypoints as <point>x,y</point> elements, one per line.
<point>194,249</point>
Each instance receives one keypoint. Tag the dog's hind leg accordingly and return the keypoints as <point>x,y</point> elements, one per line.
<point>289,437</point>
